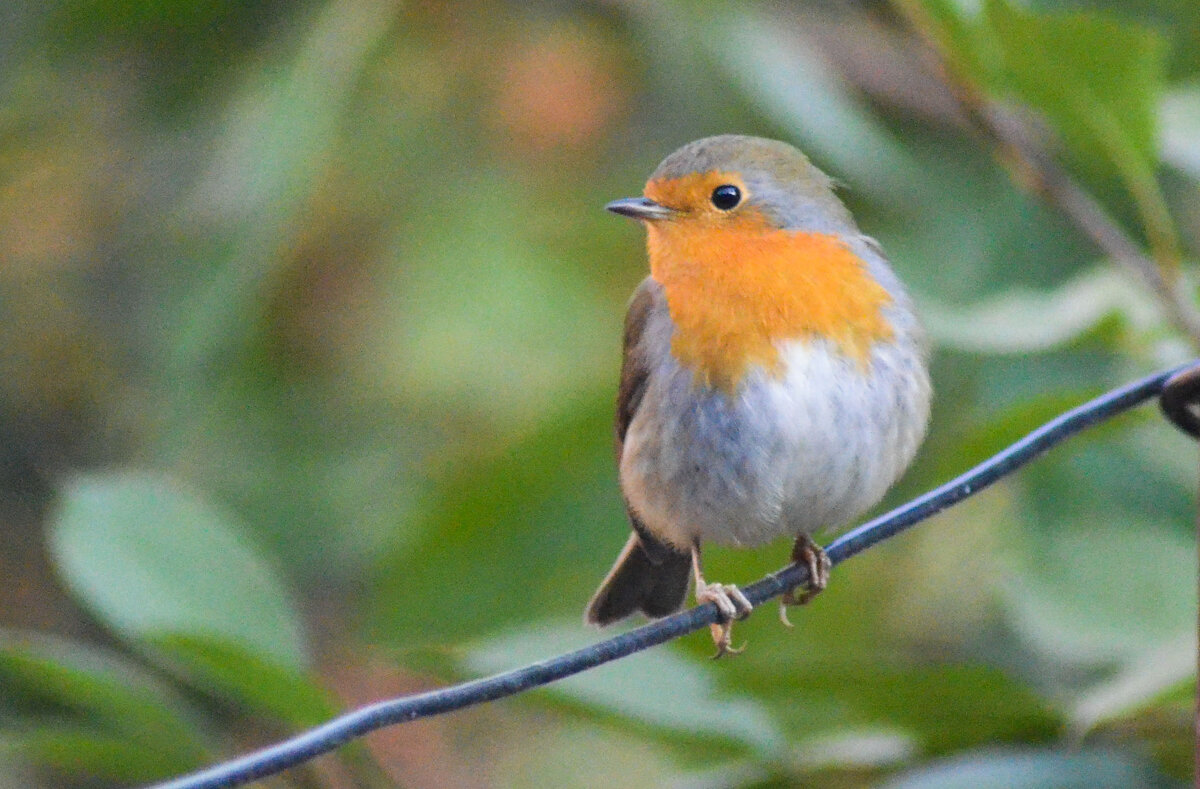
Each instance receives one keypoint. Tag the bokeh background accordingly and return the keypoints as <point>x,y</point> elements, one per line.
<point>309,335</point>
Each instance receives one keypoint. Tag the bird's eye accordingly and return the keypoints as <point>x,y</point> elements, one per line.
<point>726,197</point>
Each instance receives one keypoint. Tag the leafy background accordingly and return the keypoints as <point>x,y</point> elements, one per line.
<point>310,327</point>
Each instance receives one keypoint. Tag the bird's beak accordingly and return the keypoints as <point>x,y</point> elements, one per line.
<point>642,208</point>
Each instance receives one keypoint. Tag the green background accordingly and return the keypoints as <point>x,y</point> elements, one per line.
<point>309,336</point>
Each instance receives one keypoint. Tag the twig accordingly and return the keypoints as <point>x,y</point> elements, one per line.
<point>1040,172</point>
<point>1032,164</point>
<point>305,746</point>
<point>1025,149</point>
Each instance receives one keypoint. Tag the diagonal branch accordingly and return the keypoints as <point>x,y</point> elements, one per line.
<point>354,724</point>
<point>1025,148</point>
<point>1042,174</point>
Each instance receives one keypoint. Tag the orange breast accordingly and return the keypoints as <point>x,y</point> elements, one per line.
<point>736,287</point>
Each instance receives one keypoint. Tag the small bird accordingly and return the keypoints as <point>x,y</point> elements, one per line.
<point>774,381</point>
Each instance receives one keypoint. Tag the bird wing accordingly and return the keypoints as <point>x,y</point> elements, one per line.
<point>635,369</point>
<point>649,575</point>
<point>635,375</point>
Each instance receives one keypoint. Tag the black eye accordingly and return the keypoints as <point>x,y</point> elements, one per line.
<point>727,196</point>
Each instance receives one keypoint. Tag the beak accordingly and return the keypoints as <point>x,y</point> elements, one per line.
<point>642,208</point>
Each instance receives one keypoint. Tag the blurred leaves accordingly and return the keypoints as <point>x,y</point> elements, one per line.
<point>1030,321</point>
<point>149,559</point>
<point>658,689</point>
<point>1151,676</point>
<point>1095,78</point>
<point>938,709</point>
<point>484,318</point>
<point>224,669</point>
<point>822,110</point>
<point>547,501</point>
<point>1098,81</point>
<point>278,138</point>
<point>91,713</point>
<point>1076,603</point>
<point>91,755</point>
<point>336,276</point>
<point>1179,117</point>
<point>1027,769</point>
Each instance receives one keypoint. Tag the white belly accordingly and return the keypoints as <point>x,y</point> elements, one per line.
<point>780,457</point>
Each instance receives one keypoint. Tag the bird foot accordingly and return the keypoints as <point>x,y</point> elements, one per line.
<point>812,556</point>
<point>731,604</point>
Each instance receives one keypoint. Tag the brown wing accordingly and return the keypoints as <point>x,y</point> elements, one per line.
<point>649,575</point>
<point>635,374</point>
<point>634,369</point>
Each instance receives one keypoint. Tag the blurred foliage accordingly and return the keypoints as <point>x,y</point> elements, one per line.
<point>309,343</point>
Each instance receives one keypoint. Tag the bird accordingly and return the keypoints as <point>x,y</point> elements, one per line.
<point>774,379</point>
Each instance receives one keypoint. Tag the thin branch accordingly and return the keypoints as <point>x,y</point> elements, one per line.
<point>1025,149</point>
<point>1045,176</point>
<point>337,732</point>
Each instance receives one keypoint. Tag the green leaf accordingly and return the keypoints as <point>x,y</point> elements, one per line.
<point>1103,555</point>
<point>1157,674</point>
<point>231,672</point>
<point>962,252</point>
<point>770,60</point>
<point>1033,769</point>
<point>84,752</point>
<point>1097,79</point>
<point>514,538</point>
<point>939,708</point>
<point>492,324</point>
<point>565,752</point>
<point>116,699</point>
<point>1179,116</point>
<point>963,41</point>
<point>859,659</point>
<point>658,687</point>
<point>276,139</point>
<point>1074,599</point>
<point>1024,320</point>
<point>984,434</point>
<point>148,558</point>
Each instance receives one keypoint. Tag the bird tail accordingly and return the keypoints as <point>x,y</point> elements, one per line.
<point>647,577</point>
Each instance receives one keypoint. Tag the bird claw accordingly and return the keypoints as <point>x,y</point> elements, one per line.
<point>732,604</point>
<point>722,635</point>
<point>813,557</point>
<point>730,601</point>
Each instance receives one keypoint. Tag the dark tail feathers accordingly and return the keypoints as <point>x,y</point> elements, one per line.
<point>652,581</point>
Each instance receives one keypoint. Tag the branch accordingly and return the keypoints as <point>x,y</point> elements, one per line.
<point>1024,148</point>
<point>1045,176</point>
<point>337,732</point>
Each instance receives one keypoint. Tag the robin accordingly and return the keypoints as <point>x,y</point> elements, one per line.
<point>774,379</point>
